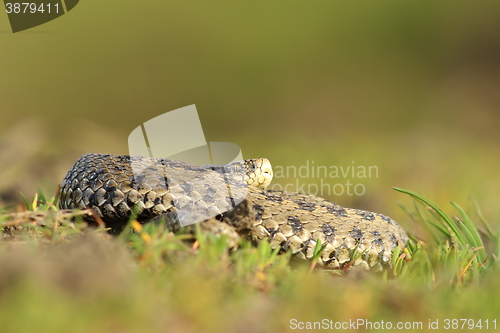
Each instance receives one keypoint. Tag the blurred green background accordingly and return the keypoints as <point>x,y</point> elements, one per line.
<point>411,87</point>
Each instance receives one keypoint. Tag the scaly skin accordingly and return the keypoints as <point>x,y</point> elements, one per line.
<point>224,200</point>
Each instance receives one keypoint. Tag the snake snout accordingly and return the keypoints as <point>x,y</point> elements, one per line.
<point>260,172</point>
<point>267,173</point>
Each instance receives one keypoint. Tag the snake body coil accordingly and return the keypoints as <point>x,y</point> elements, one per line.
<point>226,201</point>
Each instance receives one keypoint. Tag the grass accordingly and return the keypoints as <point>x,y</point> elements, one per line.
<point>456,244</point>
<point>58,275</point>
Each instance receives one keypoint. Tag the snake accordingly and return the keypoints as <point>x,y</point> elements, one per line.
<point>230,200</point>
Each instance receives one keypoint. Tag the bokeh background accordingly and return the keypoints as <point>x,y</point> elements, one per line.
<point>412,87</point>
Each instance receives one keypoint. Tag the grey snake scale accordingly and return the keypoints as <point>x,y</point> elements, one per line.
<point>179,193</point>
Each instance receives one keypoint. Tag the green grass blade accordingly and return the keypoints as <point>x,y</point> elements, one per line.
<point>41,196</point>
<point>472,231</point>
<point>445,218</point>
<point>491,234</point>
<point>430,222</point>
<point>466,232</point>
<point>318,250</point>
<point>26,203</point>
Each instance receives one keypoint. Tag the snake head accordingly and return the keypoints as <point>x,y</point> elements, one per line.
<point>258,171</point>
